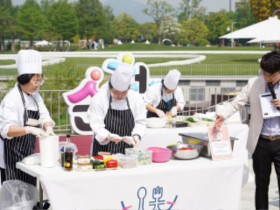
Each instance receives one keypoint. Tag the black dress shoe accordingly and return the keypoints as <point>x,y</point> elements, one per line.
<point>46,205</point>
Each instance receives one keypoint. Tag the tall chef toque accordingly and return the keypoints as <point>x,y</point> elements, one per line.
<point>122,76</point>
<point>29,62</point>
<point>171,79</point>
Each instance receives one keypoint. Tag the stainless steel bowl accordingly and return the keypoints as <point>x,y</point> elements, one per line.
<point>185,151</point>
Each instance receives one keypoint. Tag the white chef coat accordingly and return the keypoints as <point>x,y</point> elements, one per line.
<point>12,113</point>
<point>153,96</point>
<point>98,109</point>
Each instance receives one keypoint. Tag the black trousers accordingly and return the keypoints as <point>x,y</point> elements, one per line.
<point>266,153</point>
<point>3,176</point>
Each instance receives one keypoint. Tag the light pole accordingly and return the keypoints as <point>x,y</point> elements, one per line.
<point>231,28</point>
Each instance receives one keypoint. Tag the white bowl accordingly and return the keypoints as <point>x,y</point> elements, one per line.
<point>155,122</point>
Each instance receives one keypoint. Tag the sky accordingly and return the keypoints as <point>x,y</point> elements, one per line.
<point>139,16</point>
<point>135,7</point>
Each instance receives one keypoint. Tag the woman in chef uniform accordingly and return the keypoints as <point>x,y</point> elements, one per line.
<point>23,117</point>
<point>117,115</point>
<point>165,98</point>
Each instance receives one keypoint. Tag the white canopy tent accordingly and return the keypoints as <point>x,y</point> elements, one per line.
<point>267,31</point>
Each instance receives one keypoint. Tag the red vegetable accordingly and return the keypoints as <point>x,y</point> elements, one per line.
<point>98,157</point>
<point>112,164</point>
<point>186,148</point>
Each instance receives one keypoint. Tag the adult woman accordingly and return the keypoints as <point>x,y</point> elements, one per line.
<point>117,115</point>
<point>165,98</point>
<point>22,112</point>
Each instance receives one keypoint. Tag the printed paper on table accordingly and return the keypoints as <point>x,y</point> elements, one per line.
<point>220,143</point>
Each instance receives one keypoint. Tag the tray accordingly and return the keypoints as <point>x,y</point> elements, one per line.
<point>181,124</point>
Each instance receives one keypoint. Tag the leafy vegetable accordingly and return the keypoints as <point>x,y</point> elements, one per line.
<point>190,119</point>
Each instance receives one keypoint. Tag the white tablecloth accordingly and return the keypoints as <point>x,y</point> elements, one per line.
<point>190,184</point>
<point>195,185</point>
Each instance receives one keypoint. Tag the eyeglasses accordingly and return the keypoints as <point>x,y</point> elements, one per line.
<point>37,82</point>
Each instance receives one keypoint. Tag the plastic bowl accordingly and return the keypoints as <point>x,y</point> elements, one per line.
<point>160,155</point>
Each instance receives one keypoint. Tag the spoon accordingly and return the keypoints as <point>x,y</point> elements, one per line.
<point>141,194</point>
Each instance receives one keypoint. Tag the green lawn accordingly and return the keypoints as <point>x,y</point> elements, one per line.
<point>69,74</point>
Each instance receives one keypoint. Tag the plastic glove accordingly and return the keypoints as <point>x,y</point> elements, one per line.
<point>129,140</point>
<point>136,140</point>
<point>114,138</point>
<point>35,131</point>
<point>173,111</point>
<point>49,131</point>
<point>160,113</point>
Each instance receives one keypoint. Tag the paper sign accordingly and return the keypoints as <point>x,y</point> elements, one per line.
<point>219,143</point>
<point>268,109</point>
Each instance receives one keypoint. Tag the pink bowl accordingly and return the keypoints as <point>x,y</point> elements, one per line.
<point>160,155</point>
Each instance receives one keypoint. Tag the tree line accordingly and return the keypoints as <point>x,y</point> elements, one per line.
<point>189,24</point>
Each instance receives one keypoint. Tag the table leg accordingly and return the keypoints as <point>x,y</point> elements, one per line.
<point>40,195</point>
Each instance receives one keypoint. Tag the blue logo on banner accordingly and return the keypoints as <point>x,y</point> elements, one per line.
<point>156,201</point>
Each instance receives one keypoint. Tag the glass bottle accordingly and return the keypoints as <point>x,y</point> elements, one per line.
<point>68,154</point>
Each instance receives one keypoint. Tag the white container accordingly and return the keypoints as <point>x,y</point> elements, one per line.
<point>49,151</point>
<point>155,122</point>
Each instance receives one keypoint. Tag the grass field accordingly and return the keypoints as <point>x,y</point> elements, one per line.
<point>71,72</point>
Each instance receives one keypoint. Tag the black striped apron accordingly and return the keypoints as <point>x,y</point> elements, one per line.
<point>120,122</point>
<point>163,105</point>
<point>17,148</point>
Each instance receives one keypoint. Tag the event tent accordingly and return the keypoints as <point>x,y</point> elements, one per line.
<point>267,31</point>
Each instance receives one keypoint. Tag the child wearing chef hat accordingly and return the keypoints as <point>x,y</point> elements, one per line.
<point>165,98</point>
<point>117,114</point>
<point>23,117</point>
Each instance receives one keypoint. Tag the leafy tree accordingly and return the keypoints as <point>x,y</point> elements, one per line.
<point>194,32</point>
<point>148,31</point>
<point>31,21</point>
<point>158,9</point>
<point>169,27</point>
<point>106,32</point>
<point>217,23</point>
<point>125,27</point>
<point>262,9</point>
<point>243,14</point>
<point>48,34</point>
<point>6,20</point>
<point>189,9</point>
<point>63,19</point>
<point>92,18</point>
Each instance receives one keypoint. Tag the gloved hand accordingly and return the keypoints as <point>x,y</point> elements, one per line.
<point>129,140</point>
<point>114,138</point>
<point>132,140</point>
<point>173,111</point>
<point>160,113</point>
<point>137,141</point>
<point>49,131</point>
<point>35,131</point>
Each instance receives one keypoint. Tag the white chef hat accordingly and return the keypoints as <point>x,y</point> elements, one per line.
<point>171,79</point>
<point>29,62</point>
<point>121,78</point>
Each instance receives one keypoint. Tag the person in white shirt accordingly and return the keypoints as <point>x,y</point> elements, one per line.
<point>165,98</point>
<point>23,117</point>
<point>117,114</point>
